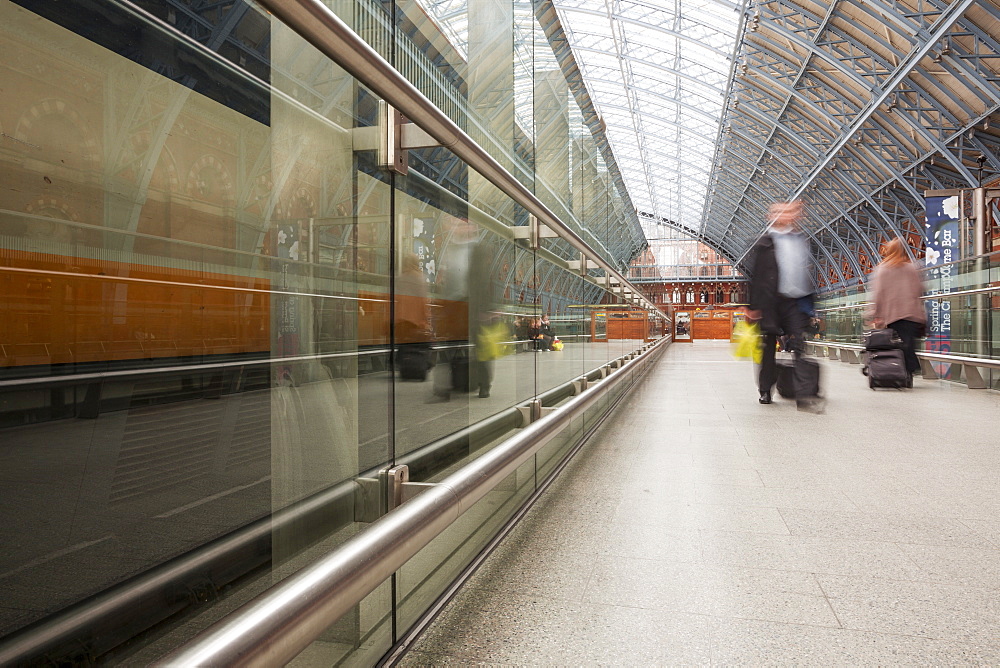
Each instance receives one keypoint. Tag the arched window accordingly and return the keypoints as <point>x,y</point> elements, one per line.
<point>704,296</point>
<point>718,296</point>
<point>690,296</point>
<point>677,296</point>
<point>734,297</point>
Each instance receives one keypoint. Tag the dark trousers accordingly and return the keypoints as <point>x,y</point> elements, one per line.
<point>793,322</point>
<point>907,330</point>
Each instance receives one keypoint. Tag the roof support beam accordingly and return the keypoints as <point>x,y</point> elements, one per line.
<point>941,28</point>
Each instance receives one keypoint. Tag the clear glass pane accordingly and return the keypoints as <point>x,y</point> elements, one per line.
<point>193,275</point>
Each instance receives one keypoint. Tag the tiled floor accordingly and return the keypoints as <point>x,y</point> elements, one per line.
<point>700,527</point>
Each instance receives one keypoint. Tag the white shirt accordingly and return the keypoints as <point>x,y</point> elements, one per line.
<point>791,251</point>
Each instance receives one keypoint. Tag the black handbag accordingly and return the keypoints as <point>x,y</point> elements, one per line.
<point>881,339</point>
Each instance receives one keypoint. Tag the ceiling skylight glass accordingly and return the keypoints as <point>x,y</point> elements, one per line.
<point>657,72</point>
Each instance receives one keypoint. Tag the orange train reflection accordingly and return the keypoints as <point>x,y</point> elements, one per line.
<point>63,310</point>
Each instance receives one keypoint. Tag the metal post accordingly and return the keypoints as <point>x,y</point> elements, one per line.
<point>979,249</point>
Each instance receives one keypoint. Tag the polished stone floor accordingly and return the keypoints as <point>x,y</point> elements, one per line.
<point>699,527</point>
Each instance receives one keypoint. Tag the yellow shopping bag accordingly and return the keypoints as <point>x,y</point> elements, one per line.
<point>747,341</point>
<point>491,342</point>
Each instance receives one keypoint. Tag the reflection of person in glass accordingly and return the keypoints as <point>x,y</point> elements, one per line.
<point>485,328</point>
<point>412,321</point>
<point>450,315</point>
<point>465,292</point>
<point>545,334</point>
<point>491,341</point>
<point>520,330</point>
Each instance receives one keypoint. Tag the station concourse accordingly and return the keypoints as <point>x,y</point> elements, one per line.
<point>421,332</point>
<point>701,528</point>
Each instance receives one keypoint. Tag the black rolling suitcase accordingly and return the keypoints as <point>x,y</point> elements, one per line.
<point>460,373</point>
<point>884,364</point>
<point>887,368</point>
<point>786,376</point>
<point>414,362</point>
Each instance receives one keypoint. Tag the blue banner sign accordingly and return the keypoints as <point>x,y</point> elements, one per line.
<point>941,240</point>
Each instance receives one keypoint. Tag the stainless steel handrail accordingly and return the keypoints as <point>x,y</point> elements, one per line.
<point>929,295</point>
<point>844,292</point>
<point>139,372</point>
<point>970,259</point>
<point>89,626</point>
<point>318,25</point>
<point>985,362</point>
<point>277,625</point>
<point>932,295</point>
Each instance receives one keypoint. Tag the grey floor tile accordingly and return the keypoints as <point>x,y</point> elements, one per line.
<point>967,566</point>
<point>891,528</point>
<point>504,628</point>
<point>556,574</point>
<point>416,659</point>
<point>820,498</point>
<point>643,541</point>
<point>621,636</point>
<point>988,528</point>
<point>709,590</point>
<point>793,539</point>
<point>696,475</point>
<point>678,514</point>
<point>739,461</point>
<point>809,555</point>
<point>930,610</point>
<point>753,643</point>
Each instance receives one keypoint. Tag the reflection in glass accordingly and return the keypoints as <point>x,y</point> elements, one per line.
<point>224,319</point>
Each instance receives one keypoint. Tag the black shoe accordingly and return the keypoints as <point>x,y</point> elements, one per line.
<point>765,398</point>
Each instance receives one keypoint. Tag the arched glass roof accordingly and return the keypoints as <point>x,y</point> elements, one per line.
<point>657,72</point>
<point>713,109</point>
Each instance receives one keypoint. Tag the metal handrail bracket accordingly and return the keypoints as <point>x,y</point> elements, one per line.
<point>276,626</point>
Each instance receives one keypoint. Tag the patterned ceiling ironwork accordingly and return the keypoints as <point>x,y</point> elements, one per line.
<point>714,109</point>
<point>857,107</point>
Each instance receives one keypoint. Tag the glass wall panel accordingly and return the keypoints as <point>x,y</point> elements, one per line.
<point>195,276</point>
<point>223,320</point>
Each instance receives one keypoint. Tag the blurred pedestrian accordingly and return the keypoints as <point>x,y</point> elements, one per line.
<point>534,334</point>
<point>781,300</point>
<point>545,333</point>
<point>896,303</point>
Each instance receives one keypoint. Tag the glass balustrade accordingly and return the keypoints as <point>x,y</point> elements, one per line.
<point>963,304</point>
<point>222,317</point>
